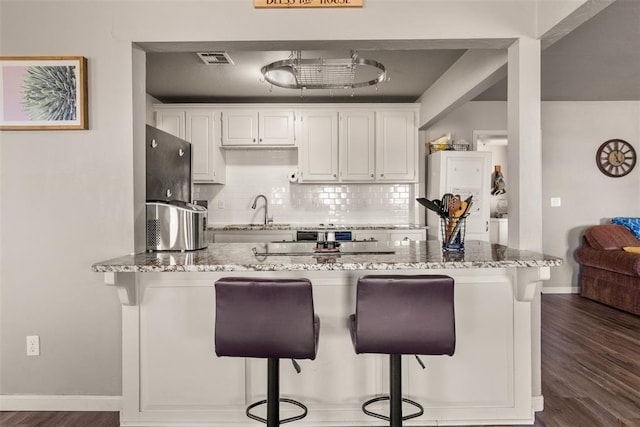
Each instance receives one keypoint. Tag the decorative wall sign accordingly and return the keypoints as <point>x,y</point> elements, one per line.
<point>278,4</point>
<point>43,92</point>
<point>616,158</point>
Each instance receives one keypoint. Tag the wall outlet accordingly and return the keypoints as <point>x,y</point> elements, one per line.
<point>220,204</point>
<point>33,345</point>
<point>556,202</point>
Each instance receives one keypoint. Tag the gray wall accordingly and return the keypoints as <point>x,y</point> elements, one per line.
<point>72,198</point>
<point>571,134</point>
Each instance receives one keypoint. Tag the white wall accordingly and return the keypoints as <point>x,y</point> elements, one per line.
<point>71,198</point>
<point>259,171</point>
<point>571,134</point>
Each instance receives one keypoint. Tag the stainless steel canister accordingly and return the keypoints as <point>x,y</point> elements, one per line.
<point>176,226</point>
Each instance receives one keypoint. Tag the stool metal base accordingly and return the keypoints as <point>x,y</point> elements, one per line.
<point>386,418</point>
<point>395,398</point>
<point>277,422</point>
<point>273,399</point>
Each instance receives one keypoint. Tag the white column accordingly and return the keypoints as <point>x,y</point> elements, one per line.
<point>524,154</point>
<point>525,176</point>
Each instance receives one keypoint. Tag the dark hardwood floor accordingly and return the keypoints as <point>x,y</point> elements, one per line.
<point>590,371</point>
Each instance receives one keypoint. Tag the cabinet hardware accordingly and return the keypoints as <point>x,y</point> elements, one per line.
<point>154,144</point>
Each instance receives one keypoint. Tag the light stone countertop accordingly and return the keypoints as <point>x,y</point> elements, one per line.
<point>407,255</point>
<point>285,226</point>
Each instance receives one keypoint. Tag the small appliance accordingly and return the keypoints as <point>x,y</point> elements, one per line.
<point>176,226</point>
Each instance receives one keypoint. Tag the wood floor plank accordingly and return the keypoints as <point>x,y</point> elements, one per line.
<point>590,371</point>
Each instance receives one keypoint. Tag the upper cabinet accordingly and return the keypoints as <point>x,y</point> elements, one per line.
<point>357,146</point>
<point>396,146</point>
<point>200,127</point>
<point>242,128</point>
<point>318,151</point>
<point>371,146</point>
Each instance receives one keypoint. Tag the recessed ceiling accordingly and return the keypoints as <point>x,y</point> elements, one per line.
<point>600,60</point>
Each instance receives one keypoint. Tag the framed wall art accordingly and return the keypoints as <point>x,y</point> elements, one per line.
<point>43,92</point>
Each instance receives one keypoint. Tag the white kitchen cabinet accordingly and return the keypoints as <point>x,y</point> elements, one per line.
<point>379,235</point>
<point>249,236</point>
<point>390,235</point>
<point>318,151</point>
<point>371,146</point>
<point>203,132</point>
<point>396,146</point>
<point>357,146</point>
<point>199,127</point>
<point>171,121</point>
<point>407,235</point>
<point>254,128</point>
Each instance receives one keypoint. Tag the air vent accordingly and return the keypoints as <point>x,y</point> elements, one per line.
<point>215,58</point>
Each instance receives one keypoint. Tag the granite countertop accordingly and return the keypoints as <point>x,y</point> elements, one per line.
<point>283,226</point>
<point>407,255</point>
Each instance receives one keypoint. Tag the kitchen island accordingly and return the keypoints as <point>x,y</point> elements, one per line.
<point>171,375</point>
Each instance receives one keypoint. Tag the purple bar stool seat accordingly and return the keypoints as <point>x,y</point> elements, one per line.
<point>267,318</point>
<point>403,314</point>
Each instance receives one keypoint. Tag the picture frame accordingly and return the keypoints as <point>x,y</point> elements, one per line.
<point>43,93</point>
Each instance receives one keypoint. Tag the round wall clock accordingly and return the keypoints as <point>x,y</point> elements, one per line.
<point>616,158</point>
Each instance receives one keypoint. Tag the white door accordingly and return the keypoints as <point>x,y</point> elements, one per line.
<point>318,152</point>
<point>357,146</point>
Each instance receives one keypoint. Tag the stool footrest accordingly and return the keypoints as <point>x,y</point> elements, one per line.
<point>386,418</point>
<point>282,400</point>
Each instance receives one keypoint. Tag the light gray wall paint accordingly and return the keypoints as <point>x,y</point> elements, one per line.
<point>68,197</point>
<point>571,134</point>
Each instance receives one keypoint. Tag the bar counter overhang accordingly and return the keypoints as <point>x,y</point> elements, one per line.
<point>172,377</point>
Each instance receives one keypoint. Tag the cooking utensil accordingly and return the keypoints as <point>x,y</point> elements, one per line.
<point>446,198</point>
<point>431,205</point>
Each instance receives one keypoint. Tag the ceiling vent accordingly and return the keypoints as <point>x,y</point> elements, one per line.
<point>215,58</point>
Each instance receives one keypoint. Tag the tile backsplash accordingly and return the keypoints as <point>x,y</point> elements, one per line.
<point>257,171</point>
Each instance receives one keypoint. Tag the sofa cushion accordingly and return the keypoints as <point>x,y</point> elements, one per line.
<point>610,237</point>
<point>632,223</point>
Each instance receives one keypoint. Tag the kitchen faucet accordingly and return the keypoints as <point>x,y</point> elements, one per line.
<point>267,220</point>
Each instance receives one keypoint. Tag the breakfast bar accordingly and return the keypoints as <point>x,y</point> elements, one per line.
<point>172,377</point>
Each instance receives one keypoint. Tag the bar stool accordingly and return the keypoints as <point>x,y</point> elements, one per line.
<point>397,315</point>
<point>267,318</point>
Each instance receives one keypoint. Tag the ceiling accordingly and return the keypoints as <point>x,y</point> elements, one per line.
<point>600,60</point>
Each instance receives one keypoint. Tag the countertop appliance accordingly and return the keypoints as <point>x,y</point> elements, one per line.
<point>176,226</point>
<point>173,223</point>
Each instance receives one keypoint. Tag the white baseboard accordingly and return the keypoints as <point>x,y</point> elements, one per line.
<point>537,402</point>
<point>560,290</point>
<point>27,402</point>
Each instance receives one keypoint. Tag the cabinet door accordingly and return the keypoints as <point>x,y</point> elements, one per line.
<point>240,128</point>
<point>276,128</point>
<point>171,121</point>
<point>357,146</point>
<point>318,153</point>
<point>396,146</point>
<point>407,235</point>
<point>202,131</point>
<point>376,235</point>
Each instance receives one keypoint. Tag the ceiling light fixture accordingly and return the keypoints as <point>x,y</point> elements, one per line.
<point>319,73</point>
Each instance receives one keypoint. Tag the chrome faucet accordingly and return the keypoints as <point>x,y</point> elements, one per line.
<point>267,220</point>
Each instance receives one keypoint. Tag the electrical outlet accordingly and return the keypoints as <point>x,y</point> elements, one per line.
<point>33,345</point>
<point>556,202</point>
<point>220,204</point>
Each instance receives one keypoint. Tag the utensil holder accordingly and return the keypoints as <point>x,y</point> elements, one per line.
<point>452,230</point>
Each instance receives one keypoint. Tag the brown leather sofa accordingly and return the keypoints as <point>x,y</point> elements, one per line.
<point>609,274</point>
